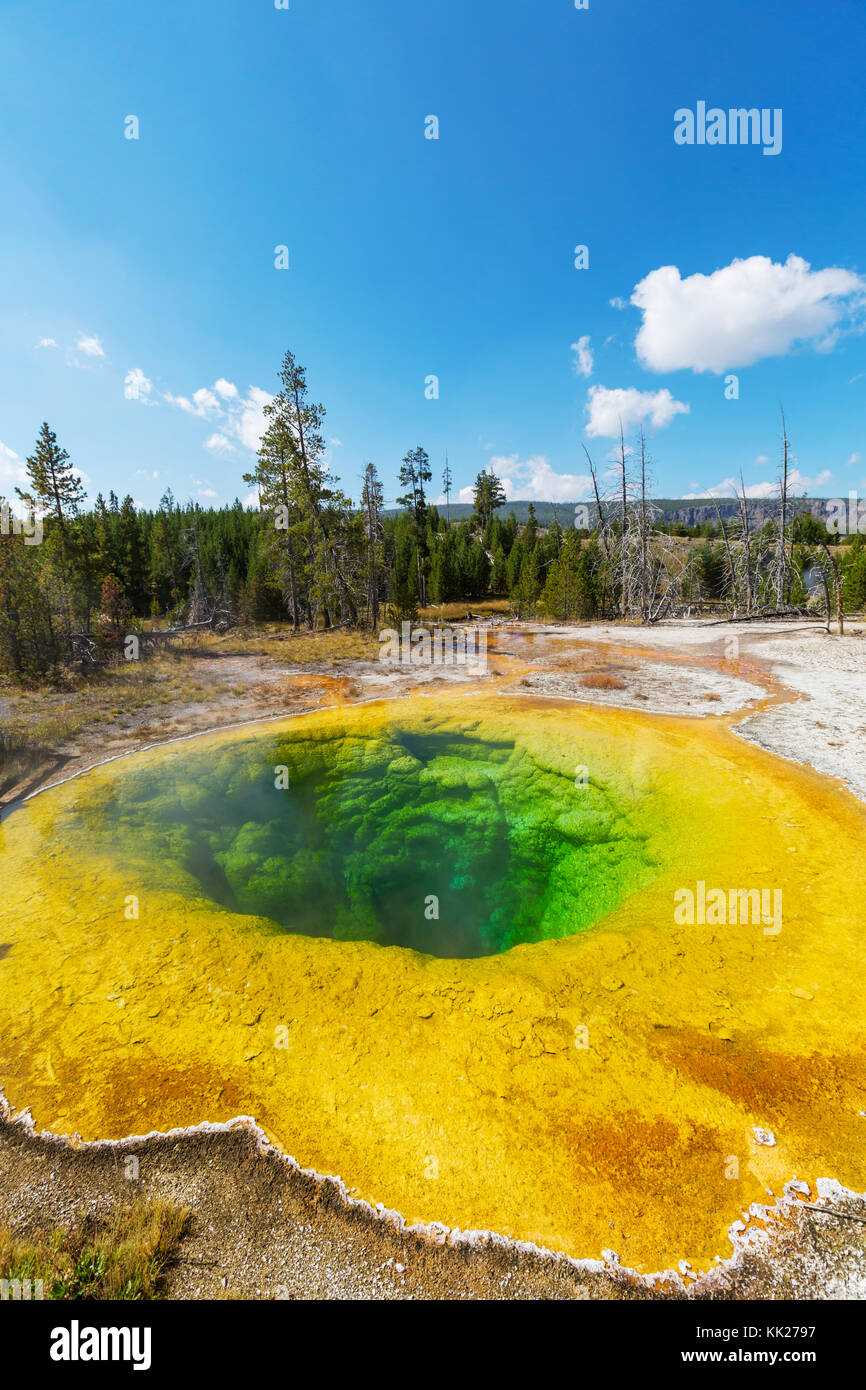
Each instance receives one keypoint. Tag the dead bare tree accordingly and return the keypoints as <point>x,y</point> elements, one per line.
<point>732,569</point>
<point>781,575</point>
<point>746,542</point>
<point>199,607</point>
<point>635,552</point>
<point>643,527</point>
<point>624,522</point>
<point>601,517</point>
<point>833,568</point>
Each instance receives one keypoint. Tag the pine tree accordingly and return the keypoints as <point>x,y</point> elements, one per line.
<point>281,491</point>
<point>53,485</point>
<point>509,533</point>
<point>295,444</point>
<point>446,487</point>
<point>527,589</point>
<point>133,562</point>
<point>499,575</point>
<point>29,646</point>
<point>513,568</point>
<point>372,502</point>
<point>529,534</point>
<point>488,494</point>
<point>414,473</point>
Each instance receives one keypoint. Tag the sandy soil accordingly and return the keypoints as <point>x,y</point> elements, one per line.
<point>264,1229</point>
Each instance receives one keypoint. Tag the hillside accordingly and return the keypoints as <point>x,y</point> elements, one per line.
<point>689,511</point>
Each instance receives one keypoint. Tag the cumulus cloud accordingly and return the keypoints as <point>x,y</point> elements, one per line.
<point>137,387</point>
<point>90,346</point>
<point>606,408</point>
<point>583,357</point>
<point>798,486</point>
<point>247,420</point>
<point>741,313</point>
<point>47,343</point>
<point>534,480</point>
<point>204,403</point>
<point>219,444</point>
<point>240,420</point>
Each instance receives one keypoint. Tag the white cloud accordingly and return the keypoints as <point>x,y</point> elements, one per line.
<point>798,486</point>
<point>534,480</point>
<point>205,402</point>
<point>240,419</point>
<point>337,443</point>
<point>729,488</point>
<point>607,408</point>
<point>206,492</point>
<point>219,444</point>
<point>252,500</point>
<point>741,313</point>
<point>855,458</point>
<point>90,346</point>
<point>47,343</point>
<point>137,387</point>
<point>584,360</point>
<point>618,303</point>
<point>248,422</point>
<point>12,471</point>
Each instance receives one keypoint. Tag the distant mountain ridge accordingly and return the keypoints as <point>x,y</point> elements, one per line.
<point>689,511</point>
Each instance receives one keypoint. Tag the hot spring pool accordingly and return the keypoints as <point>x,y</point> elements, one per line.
<point>431,946</point>
<point>437,841</point>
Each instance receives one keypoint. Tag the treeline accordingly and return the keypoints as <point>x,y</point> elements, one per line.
<point>74,580</point>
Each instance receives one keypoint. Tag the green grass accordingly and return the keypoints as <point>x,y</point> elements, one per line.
<point>123,1256</point>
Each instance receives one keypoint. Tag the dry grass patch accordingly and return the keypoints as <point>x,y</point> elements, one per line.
<point>123,1256</point>
<point>597,680</point>
<point>278,641</point>
<point>39,725</point>
<point>456,612</point>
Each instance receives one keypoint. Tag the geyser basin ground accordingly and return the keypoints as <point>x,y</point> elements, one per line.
<point>597,1086</point>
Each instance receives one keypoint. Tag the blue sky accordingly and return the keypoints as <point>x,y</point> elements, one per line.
<point>145,268</point>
